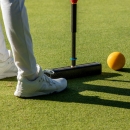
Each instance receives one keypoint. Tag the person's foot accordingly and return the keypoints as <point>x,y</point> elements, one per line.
<point>8,68</point>
<point>43,85</point>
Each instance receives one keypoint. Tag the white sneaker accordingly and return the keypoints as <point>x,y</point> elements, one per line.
<point>43,85</point>
<point>8,68</point>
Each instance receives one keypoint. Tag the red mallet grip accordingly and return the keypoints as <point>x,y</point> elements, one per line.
<point>74,1</point>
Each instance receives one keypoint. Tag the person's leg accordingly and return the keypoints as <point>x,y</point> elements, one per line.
<point>4,55</point>
<point>31,80</point>
<point>17,29</point>
<point>7,66</point>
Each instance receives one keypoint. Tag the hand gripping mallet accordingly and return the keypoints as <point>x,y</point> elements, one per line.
<point>81,70</point>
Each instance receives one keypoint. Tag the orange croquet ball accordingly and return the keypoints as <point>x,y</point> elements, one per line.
<point>116,60</point>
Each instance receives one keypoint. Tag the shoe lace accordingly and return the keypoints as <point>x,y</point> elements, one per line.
<point>46,78</point>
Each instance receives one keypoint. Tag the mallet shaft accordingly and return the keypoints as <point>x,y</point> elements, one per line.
<point>73,30</point>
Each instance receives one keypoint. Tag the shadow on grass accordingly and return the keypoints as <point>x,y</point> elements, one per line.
<point>75,86</point>
<point>126,70</point>
<point>9,79</point>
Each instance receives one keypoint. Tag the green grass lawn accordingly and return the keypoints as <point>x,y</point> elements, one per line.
<point>99,102</point>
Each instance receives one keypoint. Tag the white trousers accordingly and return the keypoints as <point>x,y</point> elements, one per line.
<point>3,50</point>
<point>17,29</point>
